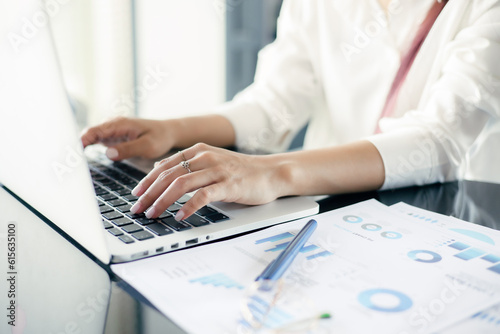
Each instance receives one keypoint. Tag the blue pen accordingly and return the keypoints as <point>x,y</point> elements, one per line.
<point>277,267</point>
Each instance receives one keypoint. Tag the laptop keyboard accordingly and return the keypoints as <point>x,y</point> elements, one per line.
<point>113,184</point>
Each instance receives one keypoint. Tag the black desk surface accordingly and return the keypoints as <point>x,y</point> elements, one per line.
<point>61,290</point>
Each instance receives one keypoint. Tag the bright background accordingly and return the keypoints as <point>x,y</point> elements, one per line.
<point>158,58</point>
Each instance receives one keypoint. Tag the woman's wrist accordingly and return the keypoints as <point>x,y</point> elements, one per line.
<point>352,167</point>
<point>280,176</point>
<point>173,131</point>
<point>214,130</point>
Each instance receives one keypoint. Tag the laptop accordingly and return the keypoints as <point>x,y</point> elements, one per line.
<point>44,164</point>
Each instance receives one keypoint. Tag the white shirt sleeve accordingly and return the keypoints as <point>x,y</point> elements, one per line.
<point>267,115</point>
<point>439,142</point>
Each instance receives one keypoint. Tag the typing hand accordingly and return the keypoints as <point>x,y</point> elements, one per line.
<point>129,137</point>
<point>217,174</point>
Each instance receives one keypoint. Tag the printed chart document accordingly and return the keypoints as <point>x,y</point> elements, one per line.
<point>486,321</point>
<point>375,269</point>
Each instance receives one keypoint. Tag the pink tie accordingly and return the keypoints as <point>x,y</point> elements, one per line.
<point>409,57</point>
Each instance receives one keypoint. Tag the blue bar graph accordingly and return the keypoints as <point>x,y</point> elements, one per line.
<point>309,248</point>
<point>431,220</point>
<point>275,238</point>
<point>268,314</point>
<point>495,268</point>
<point>278,247</point>
<point>459,245</point>
<point>470,253</point>
<point>322,254</point>
<point>491,258</point>
<point>484,316</point>
<point>281,246</point>
<point>217,280</point>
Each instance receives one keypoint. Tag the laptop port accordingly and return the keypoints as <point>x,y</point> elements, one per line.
<point>174,246</point>
<point>159,250</point>
<point>192,242</point>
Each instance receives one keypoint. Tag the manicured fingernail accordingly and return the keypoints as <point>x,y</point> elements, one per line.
<point>136,190</point>
<point>179,215</point>
<point>151,212</point>
<point>135,208</point>
<point>112,153</point>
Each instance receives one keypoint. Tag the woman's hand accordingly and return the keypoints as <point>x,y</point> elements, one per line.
<point>129,137</point>
<point>217,174</point>
<point>132,137</point>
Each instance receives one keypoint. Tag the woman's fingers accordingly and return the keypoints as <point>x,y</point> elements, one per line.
<point>153,192</point>
<point>202,197</point>
<point>169,180</point>
<point>172,184</point>
<point>122,138</point>
<point>140,147</point>
<point>186,183</point>
<point>116,128</point>
<point>130,137</point>
<point>163,165</point>
<point>160,167</point>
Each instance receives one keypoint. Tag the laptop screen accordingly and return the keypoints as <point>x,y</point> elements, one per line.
<point>41,154</point>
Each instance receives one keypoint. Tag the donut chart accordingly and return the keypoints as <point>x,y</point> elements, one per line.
<point>425,256</point>
<point>391,235</point>
<point>371,227</point>
<point>385,300</point>
<point>352,219</point>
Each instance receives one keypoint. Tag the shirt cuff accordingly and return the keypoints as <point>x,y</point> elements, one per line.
<point>249,123</point>
<point>410,157</point>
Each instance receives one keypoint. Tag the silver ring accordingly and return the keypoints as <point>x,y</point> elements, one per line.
<point>185,164</point>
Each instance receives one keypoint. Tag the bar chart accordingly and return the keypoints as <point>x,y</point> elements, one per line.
<point>279,242</point>
<point>218,280</point>
<point>467,253</point>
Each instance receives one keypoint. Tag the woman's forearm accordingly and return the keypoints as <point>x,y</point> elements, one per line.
<point>341,169</point>
<point>213,130</point>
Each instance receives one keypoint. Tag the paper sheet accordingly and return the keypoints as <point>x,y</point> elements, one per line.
<point>370,266</point>
<point>486,321</point>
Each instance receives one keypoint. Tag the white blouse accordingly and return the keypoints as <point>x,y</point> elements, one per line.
<point>333,63</point>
